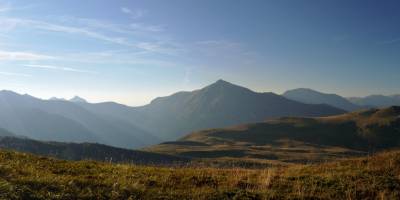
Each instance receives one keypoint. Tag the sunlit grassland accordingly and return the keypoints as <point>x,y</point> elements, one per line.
<point>24,176</point>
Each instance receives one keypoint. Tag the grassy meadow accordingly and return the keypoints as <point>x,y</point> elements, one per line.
<point>25,176</point>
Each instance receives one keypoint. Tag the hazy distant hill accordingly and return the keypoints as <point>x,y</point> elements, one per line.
<point>307,138</point>
<point>88,151</point>
<point>56,120</point>
<point>314,97</point>
<point>376,100</point>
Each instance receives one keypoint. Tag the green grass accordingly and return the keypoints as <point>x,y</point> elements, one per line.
<point>25,176</point>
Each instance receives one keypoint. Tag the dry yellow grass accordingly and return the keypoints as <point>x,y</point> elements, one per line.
<point>24,176</point>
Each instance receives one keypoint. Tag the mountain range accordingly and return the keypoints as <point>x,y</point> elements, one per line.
<point>376,100</point>
<point>306,95</point>
<point>65,121</point>
<point>163,119</point>
<point>217,105</point>
<point>310,96</point>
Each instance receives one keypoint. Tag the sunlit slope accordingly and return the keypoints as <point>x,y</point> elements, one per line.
<point>295,139</point>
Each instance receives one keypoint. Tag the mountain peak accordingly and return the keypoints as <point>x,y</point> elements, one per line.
<point>222,82</point>
<point>77,99</point>
<point>222,85</point>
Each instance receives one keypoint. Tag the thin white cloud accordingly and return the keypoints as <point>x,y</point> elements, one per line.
<point>159,47</point>
<point>59,68</point>
<point>133,13</point>
<point>12,23</point>
<point>22,56</point>
<point>14,74</point>
<point>133,28</point>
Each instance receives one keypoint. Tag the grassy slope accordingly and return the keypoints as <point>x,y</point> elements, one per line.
<point>295,140</point>
<point>88,151</point>
<point>24,176</point>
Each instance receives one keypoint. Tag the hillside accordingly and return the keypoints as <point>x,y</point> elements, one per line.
<point>64,121</point>
<point>217,105</point>
<point>293,139</point>
<point>87,151</point>
<point>24,176</point>
<point>305,95</point>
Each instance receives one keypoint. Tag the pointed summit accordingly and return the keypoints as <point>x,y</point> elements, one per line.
<point>222,85</point>
<point>78,99</point>
<point>222,82</point>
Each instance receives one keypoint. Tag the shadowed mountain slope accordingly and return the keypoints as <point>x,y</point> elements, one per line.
<point>65,121</point>
<point>217,105</point>
<point>87,151</point>
<point>314,97</point>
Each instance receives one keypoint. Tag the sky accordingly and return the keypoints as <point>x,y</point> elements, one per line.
<point>131,51</point>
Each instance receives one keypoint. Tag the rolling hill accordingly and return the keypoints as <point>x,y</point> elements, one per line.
<point>87,151</point>
<point>293,139</point>
<point>314,97</point>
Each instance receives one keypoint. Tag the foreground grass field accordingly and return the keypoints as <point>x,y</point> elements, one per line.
<point>24,176</point>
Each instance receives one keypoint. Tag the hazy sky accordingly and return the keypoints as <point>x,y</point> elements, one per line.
<point>133,51</point>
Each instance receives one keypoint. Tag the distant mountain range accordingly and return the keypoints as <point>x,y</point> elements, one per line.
<point>376,100</point>
<point>87,151</point>
<point>217,105</point>
<point>306,95</point>
<point>306,138</point>
<point>165,118</point>
<point>314,97</point>
<point>65,121</point>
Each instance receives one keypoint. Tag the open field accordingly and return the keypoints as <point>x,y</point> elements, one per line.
<point>24,176</point>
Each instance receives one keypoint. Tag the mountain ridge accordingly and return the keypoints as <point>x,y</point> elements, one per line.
<point>307,95</point>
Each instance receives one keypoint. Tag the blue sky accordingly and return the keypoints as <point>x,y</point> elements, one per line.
<point>133,51</point>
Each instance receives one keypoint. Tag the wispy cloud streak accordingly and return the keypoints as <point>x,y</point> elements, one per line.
<point>59,68</point>
<point>22,56</point>
<point>14,74</point>
<point>158,47</point>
